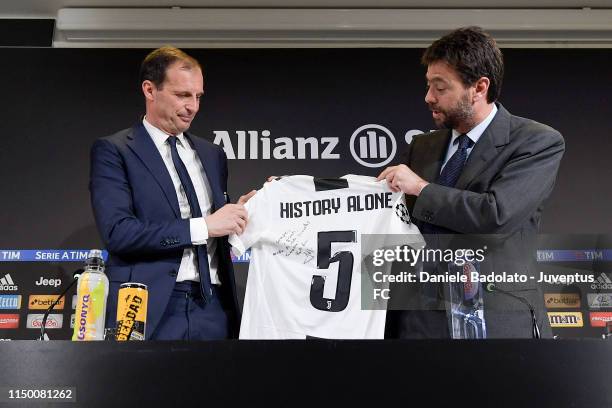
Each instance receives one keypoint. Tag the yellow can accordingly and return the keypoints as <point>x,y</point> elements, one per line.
<point>131,311</point>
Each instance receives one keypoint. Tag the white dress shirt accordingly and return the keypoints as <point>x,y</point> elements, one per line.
<point>188,269</point>
<point>473,134</point>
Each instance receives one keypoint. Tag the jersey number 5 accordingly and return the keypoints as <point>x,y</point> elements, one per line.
<point>345,261</point>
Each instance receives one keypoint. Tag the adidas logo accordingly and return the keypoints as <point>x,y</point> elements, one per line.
<point>6,283</point>
<point>602,282</point>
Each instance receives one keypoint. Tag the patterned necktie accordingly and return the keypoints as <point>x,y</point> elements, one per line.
<point>449,176</point>
<point>454,166</point>
<point>194,206</point>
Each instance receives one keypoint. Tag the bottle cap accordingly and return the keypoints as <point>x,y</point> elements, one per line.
<point>95,253</point>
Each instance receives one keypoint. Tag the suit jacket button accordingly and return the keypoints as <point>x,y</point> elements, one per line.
<point>173,273</point>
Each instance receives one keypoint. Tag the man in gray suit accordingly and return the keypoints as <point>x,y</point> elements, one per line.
<point>485,171</point>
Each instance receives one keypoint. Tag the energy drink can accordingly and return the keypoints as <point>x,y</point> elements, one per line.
<point>131,311</point>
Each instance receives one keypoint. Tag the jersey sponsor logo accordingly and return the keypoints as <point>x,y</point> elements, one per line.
<point>599,300</point>
<point>48,282</point>
<point>600,319</point>
<point>602,282</point>
<point>9,321</point>
<point>373,145</point>
<point>44,301</point>
<point>562,300</point>
<point>565,319</point>
<point>10,302</point>
<point>7,283</point>
<point>54,321</point>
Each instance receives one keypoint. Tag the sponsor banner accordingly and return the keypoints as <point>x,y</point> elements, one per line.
<point>65,255</point>
<point>565,319</point>
<point>46,255</point>
<point>562,300</point>
<point>569,255</point>
<point>7,283</point>
<point>599,319</point>
<point>54,283</point>
<point>602,282</point>
<point>244,258</point>
<point>10,302</point>
<point>54,321</point>
<point>44,301</point>
<point>9,321</point>
<point>600,300</point>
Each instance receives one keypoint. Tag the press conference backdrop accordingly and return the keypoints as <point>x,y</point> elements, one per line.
<point>320,112</point>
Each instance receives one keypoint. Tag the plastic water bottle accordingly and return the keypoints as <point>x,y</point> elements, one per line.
<point>92,291</point>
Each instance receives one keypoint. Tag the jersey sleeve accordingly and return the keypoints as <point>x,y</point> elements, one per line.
<point>399,227</point>
<point>256,224</point>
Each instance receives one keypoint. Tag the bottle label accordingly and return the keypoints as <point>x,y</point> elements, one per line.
<point>90,311</point>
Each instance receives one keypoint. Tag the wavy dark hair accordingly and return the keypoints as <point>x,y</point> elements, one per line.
<point>473,54</point>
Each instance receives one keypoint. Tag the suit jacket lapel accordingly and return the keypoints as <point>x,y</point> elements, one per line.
<point>212,168</point>
<point>496,135</point>
<point>427,157</point>
<point>432,154</point>
<point>143,146</point>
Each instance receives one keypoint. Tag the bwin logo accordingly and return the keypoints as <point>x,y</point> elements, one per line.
<point>373,145</point>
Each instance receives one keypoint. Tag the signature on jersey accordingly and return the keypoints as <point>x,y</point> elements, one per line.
<point>292,243</point>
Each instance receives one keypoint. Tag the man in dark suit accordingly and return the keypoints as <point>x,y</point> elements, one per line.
<point>160,203</point>
<point>485,172</point>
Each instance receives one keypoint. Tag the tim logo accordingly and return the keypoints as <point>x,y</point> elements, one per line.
<point>373,146</point>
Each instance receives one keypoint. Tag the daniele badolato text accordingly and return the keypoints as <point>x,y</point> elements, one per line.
<point>463,265</point>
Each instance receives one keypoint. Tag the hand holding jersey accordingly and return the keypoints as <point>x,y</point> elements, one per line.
<point>305,271</point>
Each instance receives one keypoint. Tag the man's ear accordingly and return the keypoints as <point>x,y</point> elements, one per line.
<point>148,89</point>
<point>481,88</point>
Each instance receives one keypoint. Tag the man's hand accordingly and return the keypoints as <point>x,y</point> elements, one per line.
<point>401,178</point>
<point>229,219</point>
<point>243,199</point>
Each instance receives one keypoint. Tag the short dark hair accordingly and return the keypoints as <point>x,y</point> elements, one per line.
<point>155,65</point>
<point>473,54</point>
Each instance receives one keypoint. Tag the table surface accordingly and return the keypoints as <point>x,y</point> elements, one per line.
<point>491,373</point>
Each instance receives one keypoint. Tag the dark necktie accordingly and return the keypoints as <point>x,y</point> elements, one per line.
<point>194,205</point>
<point>454,166</point>
<point>449,176</point>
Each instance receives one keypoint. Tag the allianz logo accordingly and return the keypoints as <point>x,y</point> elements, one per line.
<point>7,283</point>
<point>370,145</point>
<point>48,282</point>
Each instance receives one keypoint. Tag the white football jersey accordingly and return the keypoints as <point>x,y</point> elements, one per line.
<point>305,273</point>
